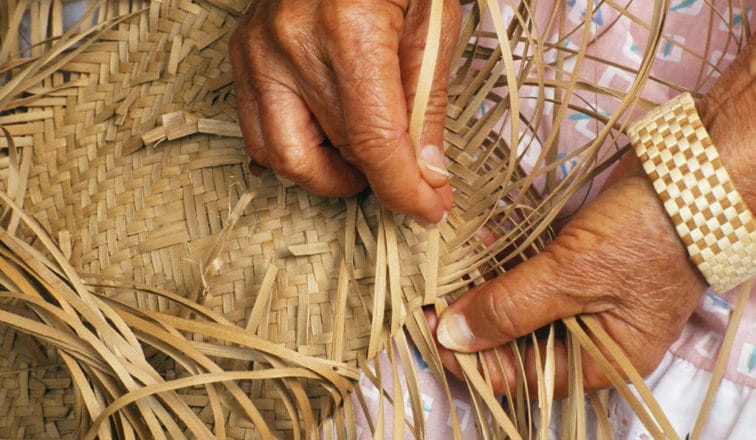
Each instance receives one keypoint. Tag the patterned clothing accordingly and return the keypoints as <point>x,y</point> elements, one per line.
<point>680,382</point>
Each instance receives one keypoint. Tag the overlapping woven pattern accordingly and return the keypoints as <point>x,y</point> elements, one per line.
<point>182,295</point>
<point>709,214</point>
<point>140,176</point>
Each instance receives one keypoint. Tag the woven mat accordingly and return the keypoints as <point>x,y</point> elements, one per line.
<point>137,168</point>
<point>139,177</point>
<point>35,390</point>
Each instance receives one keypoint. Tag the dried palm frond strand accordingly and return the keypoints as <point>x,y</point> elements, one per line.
<point>185,296</point>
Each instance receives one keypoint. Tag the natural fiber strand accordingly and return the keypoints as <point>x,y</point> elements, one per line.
<point>725,349</point>
<point>181,295</point>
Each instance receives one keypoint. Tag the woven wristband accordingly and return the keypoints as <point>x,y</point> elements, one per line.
<point>709,214</point>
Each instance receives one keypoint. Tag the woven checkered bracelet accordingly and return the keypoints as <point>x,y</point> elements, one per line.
<point>709,214</point>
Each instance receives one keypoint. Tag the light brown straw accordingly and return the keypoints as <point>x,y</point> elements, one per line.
<point>154,287</point>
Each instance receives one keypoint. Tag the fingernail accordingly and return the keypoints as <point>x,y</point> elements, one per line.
<point>454,333</point>
<point>433,159</point>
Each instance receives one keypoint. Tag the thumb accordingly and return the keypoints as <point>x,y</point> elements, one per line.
<point>412,47</point>
<point>514,304</point>
<point>368,76</point>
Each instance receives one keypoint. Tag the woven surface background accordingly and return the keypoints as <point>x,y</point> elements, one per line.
<point>124,180</point>
<point>152,213</point>
<point>122,145</point>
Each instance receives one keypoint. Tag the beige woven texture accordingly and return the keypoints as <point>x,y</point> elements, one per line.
<point>709,214</point>
<point>150,209</point>
<point>140,176</point>
<point>154,287</point>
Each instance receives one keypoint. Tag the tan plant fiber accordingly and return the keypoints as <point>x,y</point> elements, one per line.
<point>153,287</point>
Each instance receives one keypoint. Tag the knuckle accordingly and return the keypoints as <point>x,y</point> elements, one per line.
<point>347,23</point>
<point>250,33</point>
<point>374,147</point>
<point>594,376</point>
<point>340,18</point>
<point>288,30</point>
<point>589,271</point>
<point>256,50</point>
<point>257,153</point>
<point>290,163</point>
<point>497,306</point>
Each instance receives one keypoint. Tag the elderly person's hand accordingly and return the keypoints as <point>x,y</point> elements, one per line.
<point>324,89</point>
<point>619,259</point>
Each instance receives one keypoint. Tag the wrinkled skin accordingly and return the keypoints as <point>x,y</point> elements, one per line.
<point>619,259</point>
<point>346,71</point>
<point>307,70</point>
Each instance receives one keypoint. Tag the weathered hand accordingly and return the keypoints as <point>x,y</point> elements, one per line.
<point>619,259</point>
<point>346,71</point>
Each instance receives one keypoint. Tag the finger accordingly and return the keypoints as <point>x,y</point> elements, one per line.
<point>292,30</point>
<point>497,365</point>
<point>364,57</point>
<point>514,304</point>
<point>411,50</point>
<point>448,358</point>
<point>500,363</point>
<point>246,103</point>
<point>502,366</point>
<point>295,146</point>
<point>292,138</point>
<point>644,354</point>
